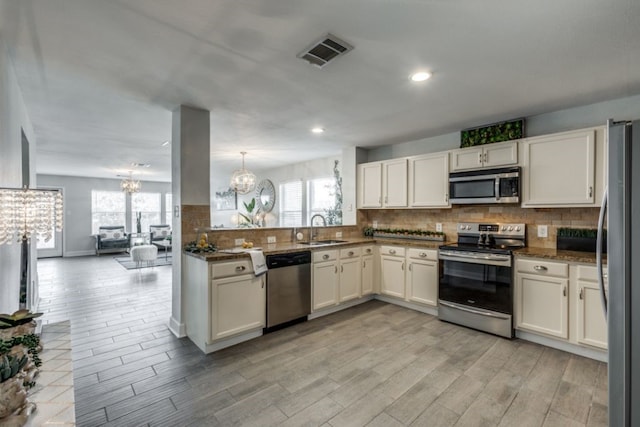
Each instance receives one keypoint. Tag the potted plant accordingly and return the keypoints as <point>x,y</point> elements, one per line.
<point>579,239</point>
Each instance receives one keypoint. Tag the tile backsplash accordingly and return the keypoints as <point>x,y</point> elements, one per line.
<point>426,219</point>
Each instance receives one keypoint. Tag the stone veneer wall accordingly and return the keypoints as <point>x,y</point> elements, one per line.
<point>426,219</point>
<point>194,217</point>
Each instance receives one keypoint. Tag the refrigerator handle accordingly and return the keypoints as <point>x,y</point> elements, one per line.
<point>603,211</point>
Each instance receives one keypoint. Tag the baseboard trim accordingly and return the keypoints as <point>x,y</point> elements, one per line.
<point>178,329</point>
<point>69,254</point>
<point>591,353</point>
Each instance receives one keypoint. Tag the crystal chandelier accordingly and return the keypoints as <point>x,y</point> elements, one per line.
<point>129,185</point>
<point>25,213</point>
<point>242,180</point>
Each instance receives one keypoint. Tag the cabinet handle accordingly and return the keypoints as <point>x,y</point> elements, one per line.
<point>480,158</point>
<point>605,275</point>
<point>590,191</point>
<point>564,291</point>
<point>422,254</point>
<point>580,294</point>
<point>392,251</point>
<point>262,283</point>
<point>403,266</point>
<point>342,269</point>
<point>241,268</point>
<point>364,264</point>
<point>410,265</point>
<point>325,256</point>
<point>350,253</point>
<point>540,268</point>
<point>335,270</point>
<point>446,197</point>
<point>369,250</point>
<point>485,157</point>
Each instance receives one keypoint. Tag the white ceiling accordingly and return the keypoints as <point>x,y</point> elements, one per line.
<point>100,78</point>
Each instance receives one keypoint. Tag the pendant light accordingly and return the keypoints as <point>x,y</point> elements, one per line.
<point>242,180</point>
<point>130,185</point>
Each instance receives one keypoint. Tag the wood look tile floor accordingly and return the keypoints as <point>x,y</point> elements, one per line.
<point>376,364</point>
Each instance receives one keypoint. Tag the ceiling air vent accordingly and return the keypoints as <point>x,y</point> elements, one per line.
<point>324,50</point>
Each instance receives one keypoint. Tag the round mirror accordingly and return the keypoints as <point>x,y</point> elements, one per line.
<point>265,195</point>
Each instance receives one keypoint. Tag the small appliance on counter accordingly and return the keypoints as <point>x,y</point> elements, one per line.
<point>476,280</point>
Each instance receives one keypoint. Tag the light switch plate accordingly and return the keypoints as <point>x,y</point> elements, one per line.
<point>543,231</point>
<point>271,239</point>
<point>439,226</point>
<point>375,224</point>
<point>239,242</point>
<point>338,234</point>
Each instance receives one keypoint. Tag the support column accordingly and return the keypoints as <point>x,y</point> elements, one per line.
<point>191,195</point>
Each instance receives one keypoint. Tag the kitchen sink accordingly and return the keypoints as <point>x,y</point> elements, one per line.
<point>323,242</point>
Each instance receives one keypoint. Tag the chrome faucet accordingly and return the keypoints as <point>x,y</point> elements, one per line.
<point>311,231</point>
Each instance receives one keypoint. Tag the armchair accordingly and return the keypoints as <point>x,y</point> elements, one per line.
<point>111,238</point>
<point>160,232</point>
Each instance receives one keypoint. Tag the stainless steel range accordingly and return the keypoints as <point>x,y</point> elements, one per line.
<point>476,277</point>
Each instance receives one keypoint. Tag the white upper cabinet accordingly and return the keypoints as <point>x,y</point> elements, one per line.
<point>559,170</point>
<point>429,181</point>
<point>383,184</point>
<point>485,156</point>
<point>394,183</point>
<point>370,185</point>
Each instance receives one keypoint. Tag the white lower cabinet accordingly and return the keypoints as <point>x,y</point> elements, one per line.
<point>239,305</point>
<point>542,304</point>
<point>350,281</point>
<point>325,279</point>
<point>368,266</point>
<point>225,302</point>
<point>422,276</point>
<point>392,263</point>
<point>591,322</point>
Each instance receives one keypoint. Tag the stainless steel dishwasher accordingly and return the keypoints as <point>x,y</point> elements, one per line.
<point>288,289</point>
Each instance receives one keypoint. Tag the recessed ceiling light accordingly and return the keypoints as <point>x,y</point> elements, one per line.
<point>317,130</point>
<point>420,76</point>
<point>164,144</point>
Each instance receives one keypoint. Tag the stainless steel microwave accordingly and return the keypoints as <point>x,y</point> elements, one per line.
<point>501,185</point>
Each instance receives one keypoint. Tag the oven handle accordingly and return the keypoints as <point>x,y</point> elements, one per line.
<point>483,259</point>
<point>471,310</point>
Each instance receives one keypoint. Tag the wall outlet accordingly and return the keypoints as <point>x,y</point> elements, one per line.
<point>439,226</point>
<point>271,239</point>
<point>239,242</point>
<point>338,234</point>
<point>543,231</point>
<point>375,224</point>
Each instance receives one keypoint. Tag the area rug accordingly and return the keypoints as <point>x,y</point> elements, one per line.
<point>131,265</point>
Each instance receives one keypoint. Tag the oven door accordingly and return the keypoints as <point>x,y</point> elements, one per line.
<point>478,280</point>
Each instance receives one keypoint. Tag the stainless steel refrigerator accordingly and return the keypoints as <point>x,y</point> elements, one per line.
<point>622,303</point>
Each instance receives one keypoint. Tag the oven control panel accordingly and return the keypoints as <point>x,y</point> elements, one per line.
<point>496,229</point>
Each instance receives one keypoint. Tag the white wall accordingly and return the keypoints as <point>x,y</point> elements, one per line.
<point>541,124</point>
<point>13,120</point>
<point>318,168</point>
<point>76,234</point>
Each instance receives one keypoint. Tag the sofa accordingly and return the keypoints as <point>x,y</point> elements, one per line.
<point>111,238</point>
<point>160,232</point>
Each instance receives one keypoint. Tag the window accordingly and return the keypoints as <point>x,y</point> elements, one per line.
<point>321,197</point>
<point>107,208</point>
<point>168,208</point>
<point>148,206</point>
<point>291,204</point>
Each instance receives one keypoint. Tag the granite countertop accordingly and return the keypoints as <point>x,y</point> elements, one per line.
<point>288,247</point>
<point>559,255</point>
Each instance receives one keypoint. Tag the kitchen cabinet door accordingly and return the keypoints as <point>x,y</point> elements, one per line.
<point>394,183</point>
<point>559,170</point>
<point>367,274</point>
<point>422,282</point>
<point>592,323</point>
<point>240,305</point>
<point>370,185</point>
<point>466,158</point>
<point>429,181</point>
<point>325,284</point>
<point>501,154</point>
<point>542,304</point>
<point>350,282</point>
<point>392,283</point>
